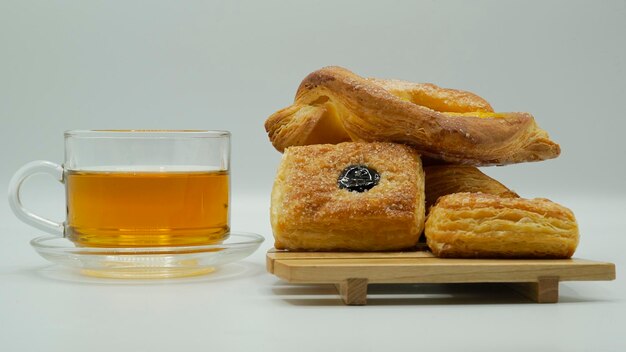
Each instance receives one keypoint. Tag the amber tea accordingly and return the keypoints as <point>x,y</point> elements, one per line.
<point>147,208</point>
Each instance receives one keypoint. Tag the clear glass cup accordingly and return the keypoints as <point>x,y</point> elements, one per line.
<point>138,188</point>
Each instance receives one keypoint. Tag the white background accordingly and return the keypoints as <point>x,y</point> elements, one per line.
<point>230,64</point>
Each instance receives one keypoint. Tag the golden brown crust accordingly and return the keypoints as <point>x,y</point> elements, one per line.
<point>310,212</point>
<point>434,97</point>
<point>442,180</point>
<point>334,105</point>
<point>477,225</point>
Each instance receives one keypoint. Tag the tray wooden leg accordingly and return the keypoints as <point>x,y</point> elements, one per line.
<point>353,291</point>
<point>545,290</point>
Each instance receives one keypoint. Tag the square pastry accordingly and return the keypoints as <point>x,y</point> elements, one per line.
<point>348,197</point>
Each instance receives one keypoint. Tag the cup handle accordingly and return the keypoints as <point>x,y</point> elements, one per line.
<point>26,171</point>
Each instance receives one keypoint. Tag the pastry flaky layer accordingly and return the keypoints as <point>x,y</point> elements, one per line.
<point>334,105</point>
<point>309,211</point>
<point>477,225</point>
<point>442,180</point>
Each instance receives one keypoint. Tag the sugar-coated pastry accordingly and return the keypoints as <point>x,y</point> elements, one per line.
<point>477,225</point>
<point>334,105</point>
<point>348,196</point>
<point>447,179</point>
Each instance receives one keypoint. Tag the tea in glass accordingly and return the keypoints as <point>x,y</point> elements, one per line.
<point>146,208</point>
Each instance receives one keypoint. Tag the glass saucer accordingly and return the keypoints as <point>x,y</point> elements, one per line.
<point>146,262</point>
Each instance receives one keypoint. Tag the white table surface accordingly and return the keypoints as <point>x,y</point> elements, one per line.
<point>243,308</point>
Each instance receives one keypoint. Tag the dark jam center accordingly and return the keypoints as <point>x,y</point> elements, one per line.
<point>358,178</point>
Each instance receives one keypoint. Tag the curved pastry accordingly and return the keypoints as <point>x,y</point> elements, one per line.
<point>447,179</point>
<point>334,105</point>
<point>476,225</point>
<point>348,196</point>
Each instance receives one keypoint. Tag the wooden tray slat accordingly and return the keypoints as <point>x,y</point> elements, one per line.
<point>352,272</point>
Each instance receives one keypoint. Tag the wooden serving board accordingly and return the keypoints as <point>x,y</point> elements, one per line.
<point>351,272</point>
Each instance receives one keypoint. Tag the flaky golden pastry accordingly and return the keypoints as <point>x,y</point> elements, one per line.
<point>447,179</point>
<point>334,105</point>
<point>477,225</point>
<point>310,211</point>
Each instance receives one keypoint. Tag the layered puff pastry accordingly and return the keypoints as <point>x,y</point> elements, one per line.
<point>447,179</point>
<point>477,225</point>
<point>348,197</point>
<point>334,105</point>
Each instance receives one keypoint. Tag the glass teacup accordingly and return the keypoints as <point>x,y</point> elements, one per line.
<point>138,188</point>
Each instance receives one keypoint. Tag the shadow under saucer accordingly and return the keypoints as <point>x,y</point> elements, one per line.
<point>226,272</point>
